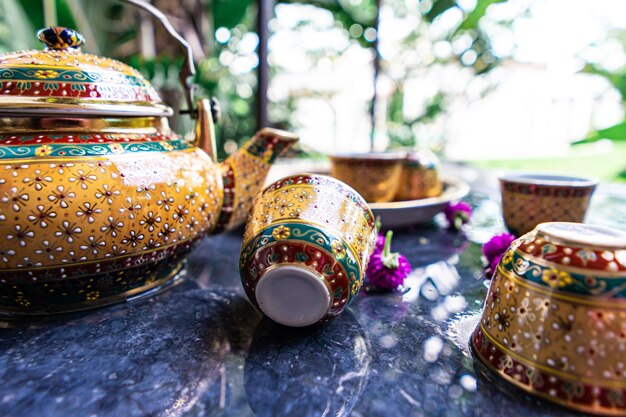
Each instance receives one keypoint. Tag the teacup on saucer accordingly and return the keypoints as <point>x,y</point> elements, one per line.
<point>374,175</point>
<point>420,177</point>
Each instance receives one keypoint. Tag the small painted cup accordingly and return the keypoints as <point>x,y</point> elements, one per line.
<point>306,246</point>
<point>420,177</point>
<point>530,199</point>
<point>554,320</point>
<point>375,175</point>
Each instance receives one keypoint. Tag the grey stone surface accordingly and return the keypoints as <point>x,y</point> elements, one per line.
<point>200,349</point>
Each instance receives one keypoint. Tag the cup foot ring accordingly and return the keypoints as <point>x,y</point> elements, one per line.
<point>293,295</point>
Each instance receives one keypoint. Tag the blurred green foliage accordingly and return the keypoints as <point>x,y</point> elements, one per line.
<point>616,132</point>
<point>110,28</point>
<point>480,43</point>
<point>477,55</point>
<point>618,80</point>
<point>96,20</point>
<point>347,14</point>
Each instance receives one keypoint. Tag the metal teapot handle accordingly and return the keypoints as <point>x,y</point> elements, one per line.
<point>188,69</point>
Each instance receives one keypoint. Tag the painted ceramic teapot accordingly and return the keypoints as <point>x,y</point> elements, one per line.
<point>99,199</point>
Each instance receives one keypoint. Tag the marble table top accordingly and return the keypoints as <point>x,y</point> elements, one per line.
<point>200,349</point>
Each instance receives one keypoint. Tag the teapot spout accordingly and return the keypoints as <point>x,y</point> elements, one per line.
<point>244,172</point>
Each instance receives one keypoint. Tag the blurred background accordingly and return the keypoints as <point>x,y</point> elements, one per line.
<point>497,84</point>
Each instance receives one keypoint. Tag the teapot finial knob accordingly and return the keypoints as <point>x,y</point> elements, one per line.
<point>60,38</point>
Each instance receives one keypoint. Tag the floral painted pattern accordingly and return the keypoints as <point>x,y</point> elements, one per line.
<point>538,245</point>
<point>556,278</point>
<point>60,213</point>
<point>338,249</point>
<point>524,206</point>
<point>79,211</point>
<point>310,220</point>
<point>583,395</point>
<point>321,206</point>
<point>579,282</point>
<point>43,150</point>
<point>281,232</point>
<point>578,338</point>
<point>60,149</point>
<point>40,73</point>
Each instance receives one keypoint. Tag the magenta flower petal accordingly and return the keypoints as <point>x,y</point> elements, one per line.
<point>497,245</point>
<point>380,243</point>
<point>387,270</point>
<point>457,214</point>
<point>493,265</point>
<point>382,277</point>
<point>494,250</point>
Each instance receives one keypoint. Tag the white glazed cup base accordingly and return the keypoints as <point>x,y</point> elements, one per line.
<point>583,234</point>
<point>293,295</point>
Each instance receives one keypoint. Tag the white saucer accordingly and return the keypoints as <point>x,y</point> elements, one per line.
<point>405,213</point>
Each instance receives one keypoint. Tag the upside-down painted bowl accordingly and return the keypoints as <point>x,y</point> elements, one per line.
<point>554,321</point>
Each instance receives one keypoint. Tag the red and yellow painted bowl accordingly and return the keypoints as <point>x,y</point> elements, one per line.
<point>554,321</point>
<point>306,247</point>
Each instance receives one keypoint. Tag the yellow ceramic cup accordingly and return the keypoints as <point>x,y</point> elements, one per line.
<point>420,177</point>
<point>530,199</point>
<point>306,247</point>
<point>375,175</point>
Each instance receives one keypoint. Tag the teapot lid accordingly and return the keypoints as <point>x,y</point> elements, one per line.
<point>62,80</point>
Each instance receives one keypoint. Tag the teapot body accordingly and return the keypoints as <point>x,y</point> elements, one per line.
<point>86,219</point>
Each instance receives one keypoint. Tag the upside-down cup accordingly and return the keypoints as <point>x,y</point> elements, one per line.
<point>554,321</point>
<point>306,246</point>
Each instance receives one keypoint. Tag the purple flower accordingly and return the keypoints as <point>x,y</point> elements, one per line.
<point>457,214</point>
<point>380,243</point>
<point>491,268</point>
<point>497,245</point>
<point>387,270</point>
<point>494,249</point>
